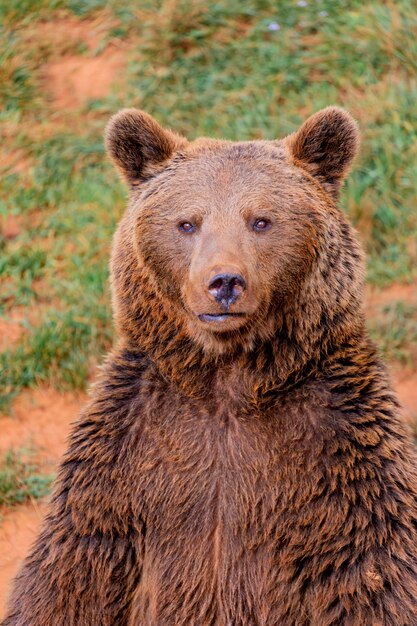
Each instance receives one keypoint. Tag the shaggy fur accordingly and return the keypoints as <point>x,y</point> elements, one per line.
<point>246,472</point>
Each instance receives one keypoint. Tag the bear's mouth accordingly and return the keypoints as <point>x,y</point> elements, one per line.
<point>218,317</point>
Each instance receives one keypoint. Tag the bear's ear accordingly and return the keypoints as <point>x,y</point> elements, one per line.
<point>325,146</point>
<point>138,145</point>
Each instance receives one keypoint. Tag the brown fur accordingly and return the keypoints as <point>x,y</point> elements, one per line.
<point>246,472</point>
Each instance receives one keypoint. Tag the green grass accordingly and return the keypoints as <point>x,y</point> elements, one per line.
<point>20,480</point>
<point>233,69</point>
<point>395,331</point>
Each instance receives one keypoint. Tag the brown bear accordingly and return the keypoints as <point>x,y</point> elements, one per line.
<point>242,461</point>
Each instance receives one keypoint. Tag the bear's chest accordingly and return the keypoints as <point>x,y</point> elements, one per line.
<point>216,484</point>
<point>210,464</point>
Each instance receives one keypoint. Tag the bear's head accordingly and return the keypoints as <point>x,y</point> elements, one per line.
<point>227,246</point>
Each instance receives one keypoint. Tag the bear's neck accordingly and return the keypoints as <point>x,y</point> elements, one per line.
<point>305,342</point>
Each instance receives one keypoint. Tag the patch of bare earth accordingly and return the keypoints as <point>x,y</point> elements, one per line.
<point>377,298</point>
<point>63,34</point>
<point>14,161</point>
<point>41,420</point>
<point>405,384</point>
<point>73,79</point>
<point>10,226</point>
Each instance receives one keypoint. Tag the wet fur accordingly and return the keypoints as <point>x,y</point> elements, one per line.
<point>259,478</point>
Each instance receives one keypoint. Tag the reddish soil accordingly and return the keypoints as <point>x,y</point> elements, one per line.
<point>405,384</point>
<point>75,79</point>
<point>15,161</point>
<point>41,419</point>
<point>10,226</point>
<point>377,298</point>
<point>65,33</point>
<point>72,79</point>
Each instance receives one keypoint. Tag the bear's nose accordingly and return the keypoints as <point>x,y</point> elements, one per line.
<point>226,288</point>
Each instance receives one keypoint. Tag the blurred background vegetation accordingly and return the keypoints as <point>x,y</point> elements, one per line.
<point>233,69</point>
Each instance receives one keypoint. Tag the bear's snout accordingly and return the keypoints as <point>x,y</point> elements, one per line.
<point>226,288</point>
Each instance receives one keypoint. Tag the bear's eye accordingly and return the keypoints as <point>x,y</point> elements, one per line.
<point>261,224</point>
<point>186,227</point>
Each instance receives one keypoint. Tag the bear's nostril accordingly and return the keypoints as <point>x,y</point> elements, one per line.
<point>226,288</point>
<point>217,284</point>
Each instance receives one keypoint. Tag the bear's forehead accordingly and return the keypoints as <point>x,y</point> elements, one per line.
<point>243,153</point>
<point>226,165</point>
<point>214,175</point>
